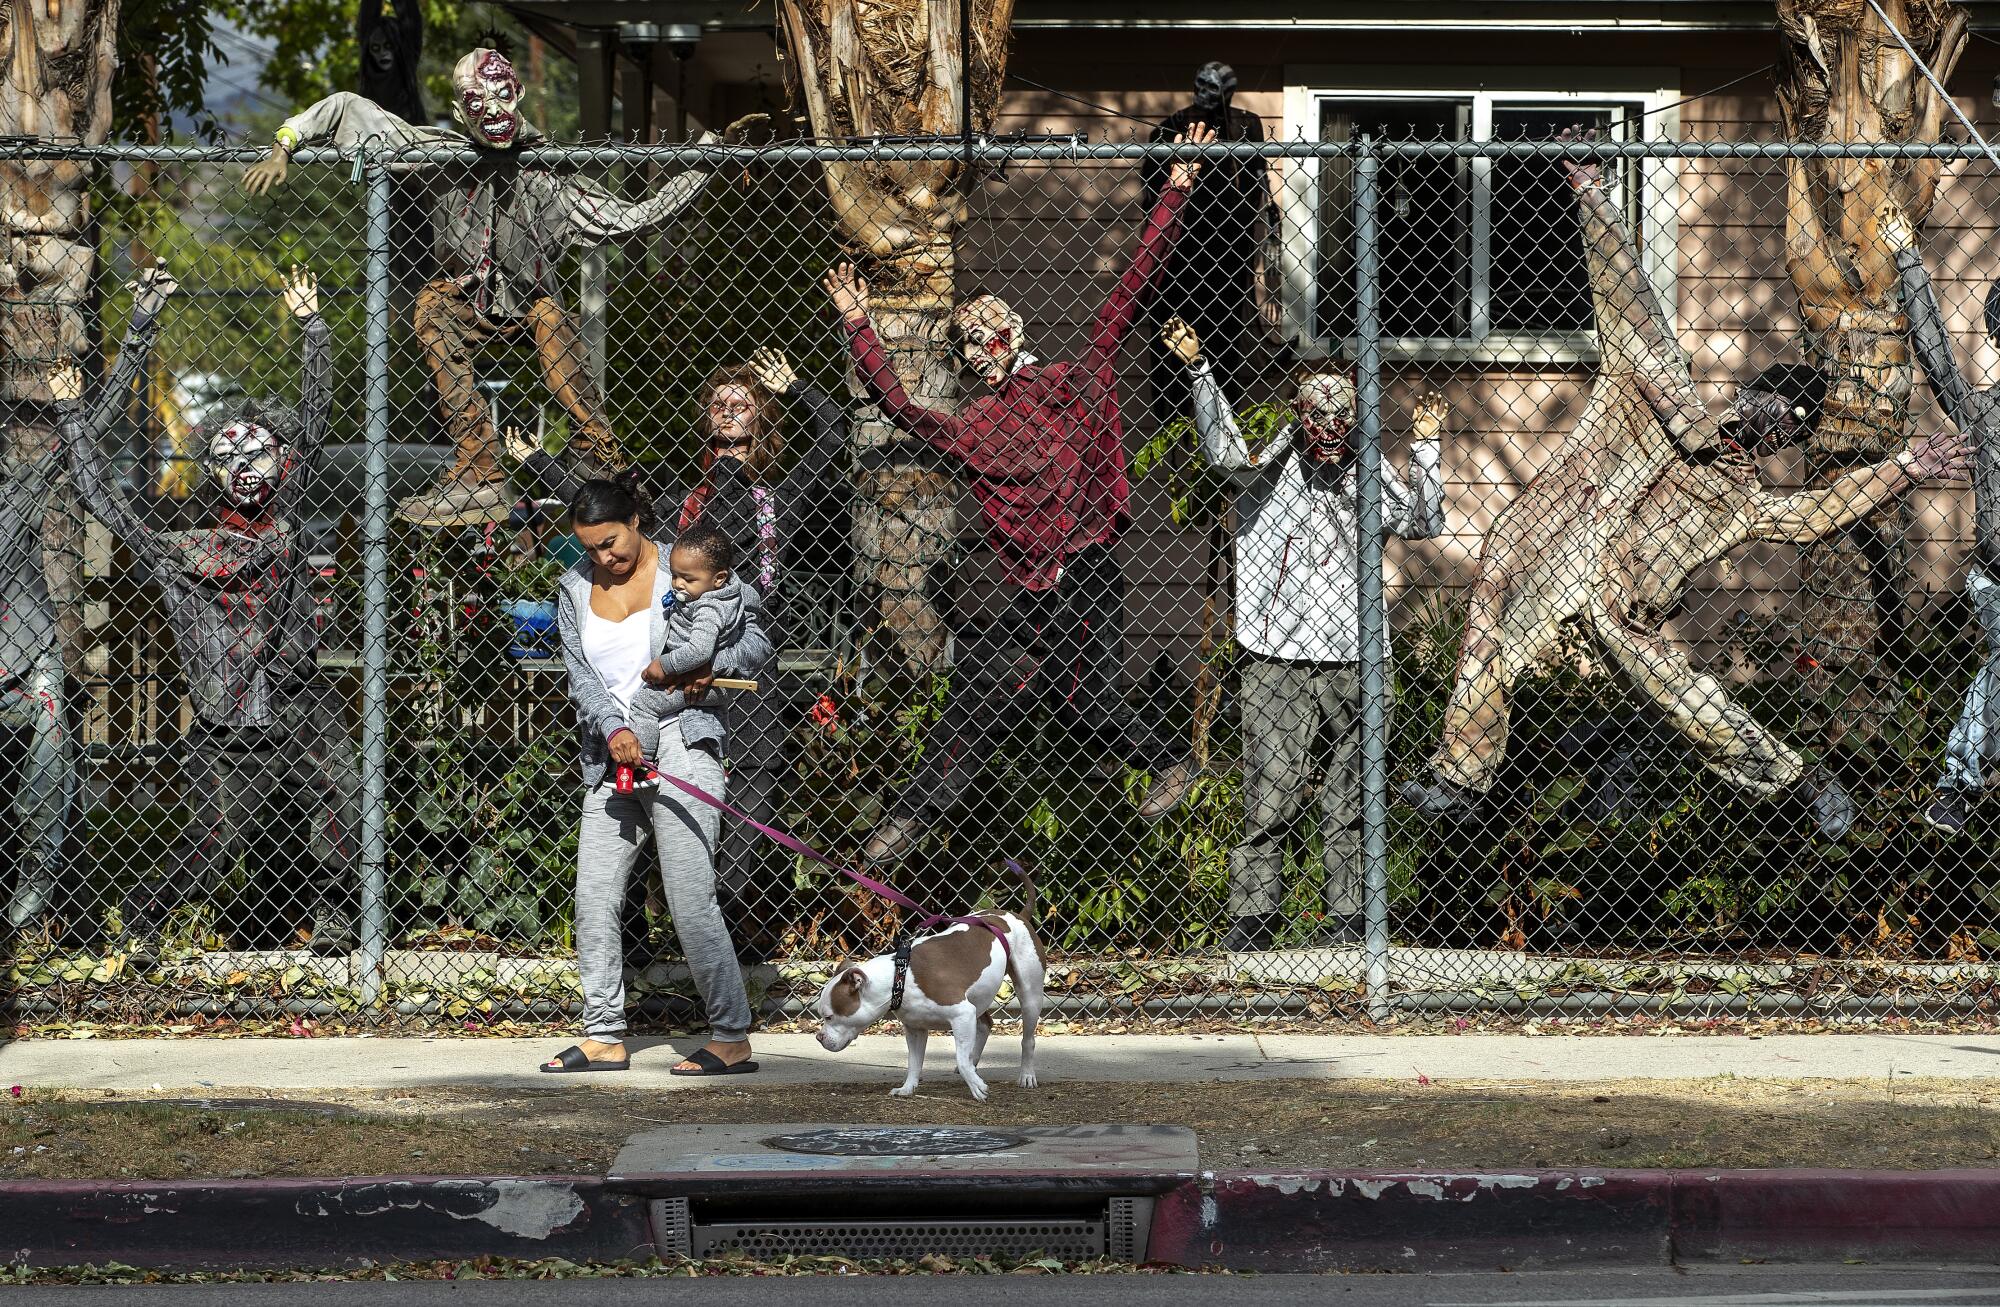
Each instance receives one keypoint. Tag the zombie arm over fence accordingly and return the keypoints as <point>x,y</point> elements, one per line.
<point>1633,335</point>
<point>1813,515</point>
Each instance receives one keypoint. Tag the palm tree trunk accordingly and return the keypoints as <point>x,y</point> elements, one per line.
<point>894,68</point>
<point>57,58</point>
<point>1843,77</point>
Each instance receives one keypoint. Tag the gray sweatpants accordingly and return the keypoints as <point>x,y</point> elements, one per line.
<point>684,832</point>
<point>1297,716</point>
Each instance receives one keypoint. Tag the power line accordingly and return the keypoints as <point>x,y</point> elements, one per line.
<point>1932,78</point>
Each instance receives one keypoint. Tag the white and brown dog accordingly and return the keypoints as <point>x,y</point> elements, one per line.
<point>950,982</point>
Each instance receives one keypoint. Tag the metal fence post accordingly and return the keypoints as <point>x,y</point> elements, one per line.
<point>375,600</point>
<point>1374,642</point>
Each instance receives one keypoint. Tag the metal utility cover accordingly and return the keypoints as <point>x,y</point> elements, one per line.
<point>710,1153</point>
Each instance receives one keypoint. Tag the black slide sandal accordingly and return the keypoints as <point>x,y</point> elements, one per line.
<point>711,1065</point>
<point>575,1059</point>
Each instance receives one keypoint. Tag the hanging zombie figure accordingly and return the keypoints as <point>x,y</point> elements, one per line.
<point>1047,461</point>
<point>269,749</point>
<point>1214,278</point>
<point>500,233</point>
<point>1975,738</point>
<point>1298,622</point>
<point>1649,490</point>
<point>391,45</point>
<point>33,735</point>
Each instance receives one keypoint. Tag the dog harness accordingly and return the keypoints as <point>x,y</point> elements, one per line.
<point>903,947</point>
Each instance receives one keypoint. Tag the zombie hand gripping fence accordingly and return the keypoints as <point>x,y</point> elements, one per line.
<point>1594,677</point>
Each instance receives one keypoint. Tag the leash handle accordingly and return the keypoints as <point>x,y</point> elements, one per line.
<point>869,883</point>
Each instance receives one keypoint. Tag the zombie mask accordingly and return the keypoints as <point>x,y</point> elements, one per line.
<point>1214,85</point>
<point>1765,419</point>
<point>1780,406</point>
<point>487,98</point>
<point>733,419</point>
<point>247,462</point>
<point>381,50</point>
<point>989,337</point>
<point>1326,412</point>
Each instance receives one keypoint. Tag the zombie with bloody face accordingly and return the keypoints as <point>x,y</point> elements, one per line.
<point>1045,455</point>
<point>1298,627</point>
<point>1650,489</point>
<point>500,233</point>
<point>269,748</point>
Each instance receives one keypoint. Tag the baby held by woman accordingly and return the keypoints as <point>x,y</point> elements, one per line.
<point>706,611</point>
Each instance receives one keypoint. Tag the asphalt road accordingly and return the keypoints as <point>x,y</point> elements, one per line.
<point>1745,1286</point>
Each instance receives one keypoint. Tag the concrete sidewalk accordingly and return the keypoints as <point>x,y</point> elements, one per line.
<point>346,1063</point>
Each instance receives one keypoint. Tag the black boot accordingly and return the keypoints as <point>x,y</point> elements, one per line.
<point>332,932</point>
<point>1832,809</point>
<point>1340,931</point>
<point>1252,934</point>
<point>1438,797</point>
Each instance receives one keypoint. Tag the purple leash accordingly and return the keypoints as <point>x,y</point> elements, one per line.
<point>869,883</point>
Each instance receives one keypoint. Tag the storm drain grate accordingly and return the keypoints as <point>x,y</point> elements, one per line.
<point>1070,1240</point>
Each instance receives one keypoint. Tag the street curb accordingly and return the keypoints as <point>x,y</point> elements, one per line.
<point>1303,1221</point>
<point>221,1224</point>
<point>1319,1221</point>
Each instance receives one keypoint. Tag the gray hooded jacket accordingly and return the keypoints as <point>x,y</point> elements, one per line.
<point>599,715</point>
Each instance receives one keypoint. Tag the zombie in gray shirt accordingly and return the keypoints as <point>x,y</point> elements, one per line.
<point>1975,739</point>
<point>269,747</point>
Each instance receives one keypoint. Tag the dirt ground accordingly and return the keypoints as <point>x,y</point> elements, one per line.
<point>1262,1126</point>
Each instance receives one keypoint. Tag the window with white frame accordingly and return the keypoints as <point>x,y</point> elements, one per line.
<point>1477,256</point>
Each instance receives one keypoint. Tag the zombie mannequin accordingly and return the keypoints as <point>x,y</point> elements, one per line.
<point>269,749</point>
<point>1047,462</point>
<point>1975,738</point>
<point>1213,280</point>
<point>500,233</point>
<point>1298,616</point>
<point>33,732</point>
<point>1649,490</point>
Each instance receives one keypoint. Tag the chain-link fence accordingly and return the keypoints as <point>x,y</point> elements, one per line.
<point>1479,625</point>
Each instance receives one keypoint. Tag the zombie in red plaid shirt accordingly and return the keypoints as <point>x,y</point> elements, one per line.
<point>1046,458</point>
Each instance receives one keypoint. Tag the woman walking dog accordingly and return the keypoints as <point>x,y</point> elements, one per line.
<point>611,617</point>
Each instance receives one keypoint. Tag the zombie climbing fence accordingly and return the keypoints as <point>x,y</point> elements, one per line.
<point>1536,646</point>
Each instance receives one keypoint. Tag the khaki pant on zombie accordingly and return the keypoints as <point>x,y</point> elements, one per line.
<point>452,330</point>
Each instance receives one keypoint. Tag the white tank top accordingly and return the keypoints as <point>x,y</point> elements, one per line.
<point>618,651</point>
